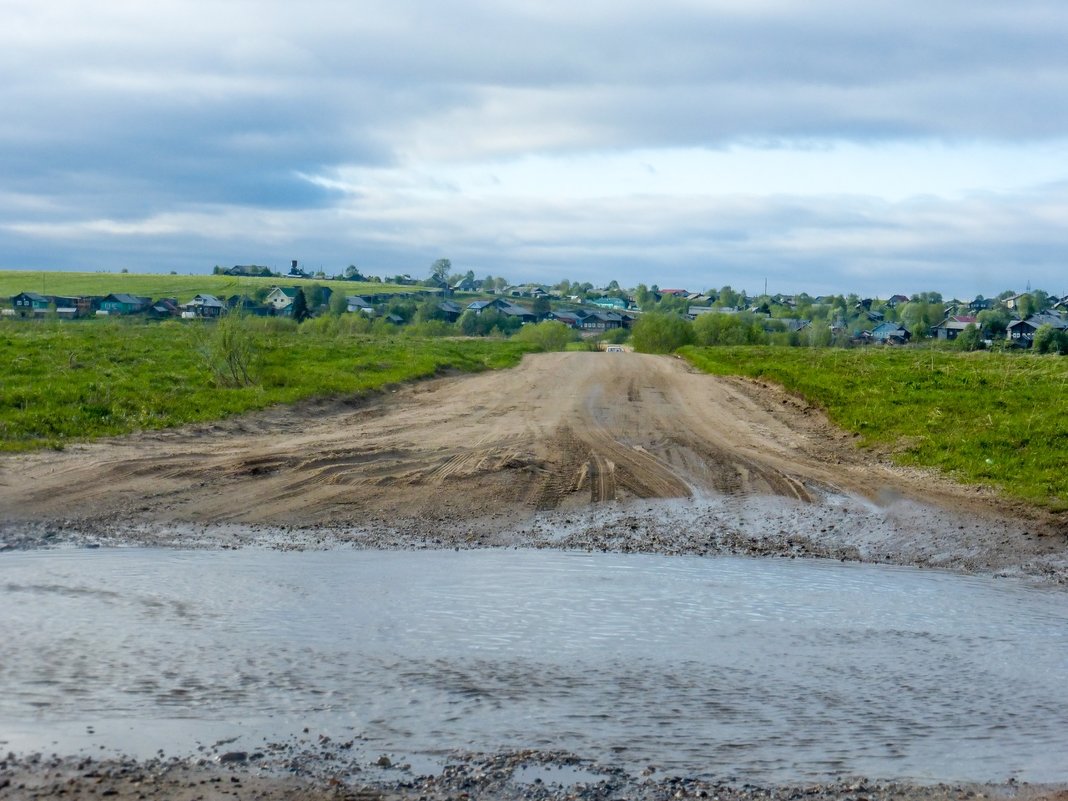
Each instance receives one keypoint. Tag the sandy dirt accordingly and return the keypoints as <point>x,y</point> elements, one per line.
<point>596,450</point>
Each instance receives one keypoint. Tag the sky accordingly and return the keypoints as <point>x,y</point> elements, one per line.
<point>811,145</point>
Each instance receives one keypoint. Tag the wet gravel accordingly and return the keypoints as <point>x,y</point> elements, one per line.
<point>840,528</point>
<point>323,771</point>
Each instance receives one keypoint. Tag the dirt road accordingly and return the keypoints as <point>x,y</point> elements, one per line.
<point>474,456</point>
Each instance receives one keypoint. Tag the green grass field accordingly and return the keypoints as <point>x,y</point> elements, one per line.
<point>993,418</point>
<point>182,287</point>
<point>63,381</point>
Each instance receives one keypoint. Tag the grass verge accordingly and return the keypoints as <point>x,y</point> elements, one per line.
<point>63,382</point>
<point>991,418</point>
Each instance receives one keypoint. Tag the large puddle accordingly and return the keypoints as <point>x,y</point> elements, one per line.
<point>762,670</point>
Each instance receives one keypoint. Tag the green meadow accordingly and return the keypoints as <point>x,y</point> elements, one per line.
<point>159,285</point>
<point>993,418</point>
<point>62,381</point>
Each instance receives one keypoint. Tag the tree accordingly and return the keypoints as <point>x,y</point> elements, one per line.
<point>655,332</point>
<point>339,304</point>
<point>541,306</point>
<point>994,322</point>
<point>642,296</point>
<point>300,307</point>
<point>352,273</point>
<point>970,338</point>
<point>428,311</point>
<point>729,329</point>
<point>1045,339</point>
<point>727,298</point>
<point>468,324</point>
<point>440,269</point>
<point>820,336</point>
<point>314,296</point>
<point>1025,306</point>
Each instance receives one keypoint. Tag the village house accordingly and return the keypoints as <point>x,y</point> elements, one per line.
<point>30,304</point>
<point>203,306</point>
<point>479,306</point>
<point>617,304</point>
<point>163,309</point>
<point>950,328</point>
<point>122,303</point>
<point>568,318</point>
<point>1013,301</point>
<point>467,285</point>
<point>281,298</point>
<point>450,311</point>
<point>598,320</point>
<point>890,334</point>
<point>355,303</point>
<point>1022,332</point>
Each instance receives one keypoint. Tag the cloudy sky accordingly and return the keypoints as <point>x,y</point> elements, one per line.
<point>817,145</point>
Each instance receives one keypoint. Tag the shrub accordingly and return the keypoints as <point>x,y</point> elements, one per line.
<point>730,329</point>
<point>970,338</point>
<point>549,335</point>
<point>228,352</point>
<point>661,333</point>
<point>1045,339</point>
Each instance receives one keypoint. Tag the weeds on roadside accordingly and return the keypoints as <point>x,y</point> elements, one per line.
<point>227,350</point>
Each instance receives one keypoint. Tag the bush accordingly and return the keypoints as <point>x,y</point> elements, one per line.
<point>1045,339</point>
<point>730,329</point>
<point>549,335</point>
<point>661,333</point>
<point>969,339</point>
<point>615,336</point>
<point>431,328</point>
<point>228,352</point>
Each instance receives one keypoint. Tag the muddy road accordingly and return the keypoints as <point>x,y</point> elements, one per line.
<point>573,443</point>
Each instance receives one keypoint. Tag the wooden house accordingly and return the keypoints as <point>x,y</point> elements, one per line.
<point>122,303</point>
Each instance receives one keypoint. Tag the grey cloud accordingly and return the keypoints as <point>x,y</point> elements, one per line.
<point>217,110</point>
<point>841,244</point>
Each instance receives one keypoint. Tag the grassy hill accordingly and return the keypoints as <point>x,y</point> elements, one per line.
<point>157,285</point>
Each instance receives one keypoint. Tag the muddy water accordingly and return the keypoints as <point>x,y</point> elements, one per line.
<point>770,670</point>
